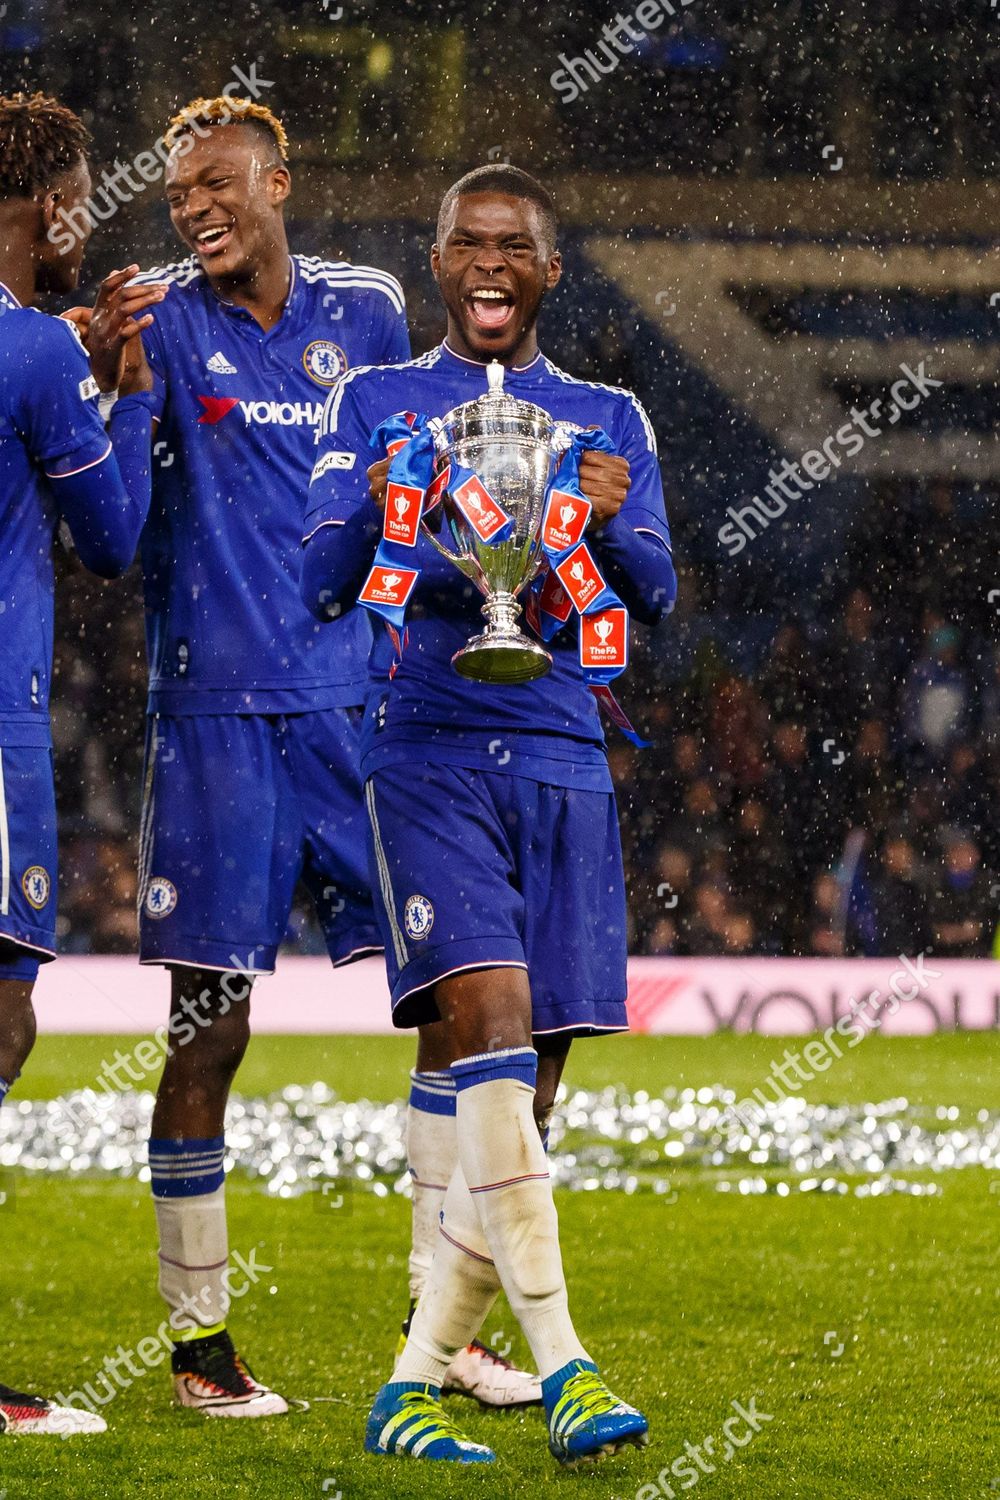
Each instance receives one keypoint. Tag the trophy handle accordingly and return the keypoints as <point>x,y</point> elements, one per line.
<point>468,565</point>
<point>473,569</point>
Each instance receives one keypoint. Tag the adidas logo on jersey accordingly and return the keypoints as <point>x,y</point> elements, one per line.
<point>219,365</point>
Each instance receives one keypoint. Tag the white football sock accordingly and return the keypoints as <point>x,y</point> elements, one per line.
<point>194,1256</point>
<point>505,1166</point>
<point>432,1156</point>
<point>460,1290</point>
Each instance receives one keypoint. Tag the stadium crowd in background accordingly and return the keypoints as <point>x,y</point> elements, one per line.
<point>708,93</point>
<point>734,820</point>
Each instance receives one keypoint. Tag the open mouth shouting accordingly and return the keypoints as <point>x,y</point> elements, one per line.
<point>213,239</point>
<point>491,307</point>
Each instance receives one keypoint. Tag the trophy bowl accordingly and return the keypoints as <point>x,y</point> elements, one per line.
<point>510,445</point>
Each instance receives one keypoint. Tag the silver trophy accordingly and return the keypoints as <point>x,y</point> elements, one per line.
<point>513,447</point>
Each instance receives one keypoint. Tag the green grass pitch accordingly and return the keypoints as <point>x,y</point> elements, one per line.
<point>866,1328</point>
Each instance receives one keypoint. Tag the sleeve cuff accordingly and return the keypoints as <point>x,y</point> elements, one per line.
<point>106,405</point>
<point>623,530</point>
<point>146,400</point>
<point>365,514</point>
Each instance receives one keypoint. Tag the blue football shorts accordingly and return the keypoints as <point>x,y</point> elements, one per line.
<point>237,808</point>
<point>27,861</point>
<point>477,869</point>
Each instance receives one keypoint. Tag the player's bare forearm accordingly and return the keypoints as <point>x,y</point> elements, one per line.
<point>134,372</point>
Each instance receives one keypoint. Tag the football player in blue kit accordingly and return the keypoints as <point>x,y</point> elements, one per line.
<point>252,768</point>
<point>57,462</point>
<point>500,888</point>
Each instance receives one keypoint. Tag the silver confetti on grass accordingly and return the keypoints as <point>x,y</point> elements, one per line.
<point>608,1140</point>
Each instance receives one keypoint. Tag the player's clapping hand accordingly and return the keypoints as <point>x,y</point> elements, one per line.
<point>604,479</point>
<point>378,481</point>
<point>113,328</point>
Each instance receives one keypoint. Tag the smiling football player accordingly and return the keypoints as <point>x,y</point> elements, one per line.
<point>252,762</point>
<point>252,775</point>
<point>500,888</point>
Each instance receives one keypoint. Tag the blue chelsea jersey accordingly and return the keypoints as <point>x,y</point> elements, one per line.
<point>548,729</point>
<point>239,412</point>
<point>49,428</point>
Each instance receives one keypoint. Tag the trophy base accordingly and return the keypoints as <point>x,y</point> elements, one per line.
<point>502,659</point>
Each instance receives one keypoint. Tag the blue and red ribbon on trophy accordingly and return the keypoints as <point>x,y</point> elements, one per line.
<point>571,582</point>
<point>409,443</point>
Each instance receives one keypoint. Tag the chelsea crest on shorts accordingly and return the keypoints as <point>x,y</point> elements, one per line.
<point>37,886</point>
<point>418,917</point>
<point>161,897</point>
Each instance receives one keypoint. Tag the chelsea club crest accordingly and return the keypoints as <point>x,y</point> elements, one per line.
<point>36,885</point>
<point>324,362</point>
<point>418,917</point>
<point>161,897</point>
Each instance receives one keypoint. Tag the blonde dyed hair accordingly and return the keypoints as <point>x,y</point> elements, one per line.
<point>225,111</point>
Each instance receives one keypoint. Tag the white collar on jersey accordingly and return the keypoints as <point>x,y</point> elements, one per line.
<point>480,364</point>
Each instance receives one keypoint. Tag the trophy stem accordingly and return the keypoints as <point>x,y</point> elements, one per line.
<point>500,613</point>
<point>502,654</point>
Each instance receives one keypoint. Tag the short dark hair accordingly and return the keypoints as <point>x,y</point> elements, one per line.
<point>502,178</point>
<point>39,139</point>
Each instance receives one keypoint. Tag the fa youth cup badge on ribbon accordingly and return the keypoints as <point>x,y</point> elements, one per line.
<point>389,587</point>
<point>402,514</point>
<point>565,521</point>
<point>161,897</point>
<point>324,362</point>
<point>479,508</point>
<point>554,600</point>
<point>418,917</point>
<point>37,886</point>
<point>580,577</point>
<point>604,640</point>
